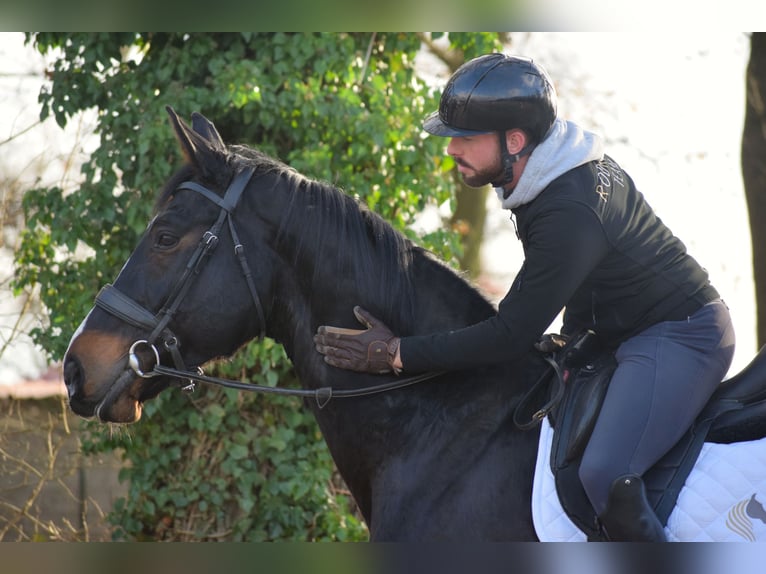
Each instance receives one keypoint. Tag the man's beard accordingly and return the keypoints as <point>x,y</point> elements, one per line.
<point>480,178</point>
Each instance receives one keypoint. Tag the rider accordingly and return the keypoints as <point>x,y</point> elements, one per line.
<point>592,246</point>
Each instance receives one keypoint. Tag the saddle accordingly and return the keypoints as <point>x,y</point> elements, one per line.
<point>576,383</point>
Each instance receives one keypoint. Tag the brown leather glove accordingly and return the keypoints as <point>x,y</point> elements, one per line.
<point>370,350</point>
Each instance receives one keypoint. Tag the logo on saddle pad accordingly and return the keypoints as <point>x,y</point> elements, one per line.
<point>741,517</point>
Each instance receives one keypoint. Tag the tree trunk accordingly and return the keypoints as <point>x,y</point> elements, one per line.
<point>754,170</point>
<point>469,219</point>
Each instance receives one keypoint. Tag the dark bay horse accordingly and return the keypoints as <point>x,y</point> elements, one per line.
<point>242,246</point>
<point>437,460</point>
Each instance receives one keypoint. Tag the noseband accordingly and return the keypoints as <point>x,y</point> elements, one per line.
<point>116,303</point>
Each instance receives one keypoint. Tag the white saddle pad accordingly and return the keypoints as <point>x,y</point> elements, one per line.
<point>722,500</point>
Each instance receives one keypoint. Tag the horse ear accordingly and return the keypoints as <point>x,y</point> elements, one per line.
<point>206,129</point>
<point>198,147</point>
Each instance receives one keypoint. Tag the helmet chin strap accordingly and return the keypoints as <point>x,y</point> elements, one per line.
<point>507,159</point>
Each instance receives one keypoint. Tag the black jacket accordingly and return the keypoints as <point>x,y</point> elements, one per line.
<point>592,244</point>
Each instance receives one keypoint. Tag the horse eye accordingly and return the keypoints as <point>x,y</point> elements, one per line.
<point>165,240</point>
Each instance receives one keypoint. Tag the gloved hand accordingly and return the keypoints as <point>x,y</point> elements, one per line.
<point>370,350</point>
<point>550,343</point>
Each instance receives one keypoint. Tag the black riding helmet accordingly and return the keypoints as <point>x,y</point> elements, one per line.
<point>495,93</point>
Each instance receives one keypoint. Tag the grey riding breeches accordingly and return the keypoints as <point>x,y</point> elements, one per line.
<point>665,376</point>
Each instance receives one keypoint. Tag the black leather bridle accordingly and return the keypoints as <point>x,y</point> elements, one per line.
<point>116,303</point>
<point>113,301</point>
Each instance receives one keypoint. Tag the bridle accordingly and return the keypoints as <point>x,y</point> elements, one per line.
<point>119,305</point>
<point>113,301</point>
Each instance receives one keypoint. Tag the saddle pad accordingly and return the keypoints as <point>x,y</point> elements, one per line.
<point>722,499</point>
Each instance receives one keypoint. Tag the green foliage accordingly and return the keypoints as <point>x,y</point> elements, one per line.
<point>346,108</point>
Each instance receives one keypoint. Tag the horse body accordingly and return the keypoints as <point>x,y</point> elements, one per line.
<point>425,469</point>
<point>441,460</point>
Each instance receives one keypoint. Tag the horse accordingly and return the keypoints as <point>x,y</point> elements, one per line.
<point>437,458</point>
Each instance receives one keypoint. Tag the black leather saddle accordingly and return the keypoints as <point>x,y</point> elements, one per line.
<point>735,413</point>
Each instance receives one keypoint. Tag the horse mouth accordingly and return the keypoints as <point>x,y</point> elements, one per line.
<point>123,400</point>
<point>120,404</point>
<point>123,409</point>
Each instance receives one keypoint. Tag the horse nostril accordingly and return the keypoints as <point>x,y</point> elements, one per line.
<point>73,375</point>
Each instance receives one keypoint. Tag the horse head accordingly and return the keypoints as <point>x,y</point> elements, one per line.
<point>242,245</point>
<point>181,297</point>
<point>754,509</point>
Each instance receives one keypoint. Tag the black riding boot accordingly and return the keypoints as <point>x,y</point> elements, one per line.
<point>628,516</point>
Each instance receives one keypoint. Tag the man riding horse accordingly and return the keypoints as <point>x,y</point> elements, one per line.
<point>594,247</point>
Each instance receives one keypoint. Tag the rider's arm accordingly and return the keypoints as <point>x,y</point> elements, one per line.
<point>563,245</point>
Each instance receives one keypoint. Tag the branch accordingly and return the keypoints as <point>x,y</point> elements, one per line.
<point>15,330</point>
<point>367,58</point>
<point>21,133</point>
<point>452,58</point>
<point>24,512</point>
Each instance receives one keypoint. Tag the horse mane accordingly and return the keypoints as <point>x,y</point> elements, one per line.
<point>380,256</point>
<point>382,259</point>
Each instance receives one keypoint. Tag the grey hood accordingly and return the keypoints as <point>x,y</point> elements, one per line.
<point>566,147</point>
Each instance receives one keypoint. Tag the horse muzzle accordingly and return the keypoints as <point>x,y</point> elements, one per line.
<point>103,381</point>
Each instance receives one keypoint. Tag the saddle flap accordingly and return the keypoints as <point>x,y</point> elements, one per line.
<point>580,407</point>
<point>574,420</point>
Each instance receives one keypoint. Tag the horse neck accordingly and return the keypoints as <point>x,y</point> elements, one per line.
<point>324,266</point>
<point>332,254</point>
<point>438,299</point>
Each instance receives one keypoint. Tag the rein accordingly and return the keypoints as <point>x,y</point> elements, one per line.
<point>322,395</point>
<point>116,303</point>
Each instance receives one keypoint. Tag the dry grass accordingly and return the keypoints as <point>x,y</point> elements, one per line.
<point>48,490</point>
